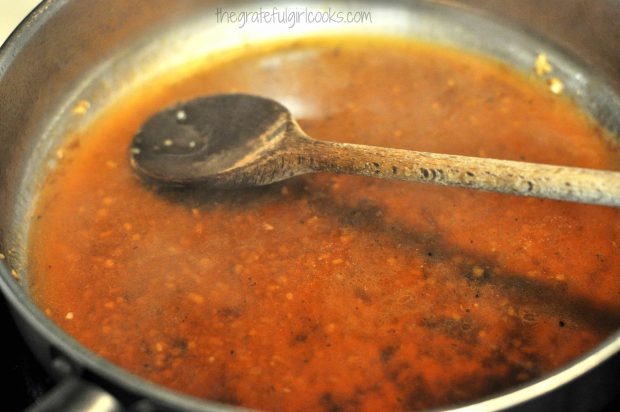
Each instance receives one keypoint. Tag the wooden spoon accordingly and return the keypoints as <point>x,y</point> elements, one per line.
<point>238,140</point>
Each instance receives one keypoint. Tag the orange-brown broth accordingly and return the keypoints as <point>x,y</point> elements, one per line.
<point>333,292</point>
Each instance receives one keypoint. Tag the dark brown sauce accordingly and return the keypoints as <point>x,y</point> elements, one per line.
<point>335,292</point>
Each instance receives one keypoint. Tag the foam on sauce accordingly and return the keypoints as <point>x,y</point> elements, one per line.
<point>333,292</point>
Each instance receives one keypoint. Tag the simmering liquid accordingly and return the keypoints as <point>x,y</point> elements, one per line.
<point>330,292</point>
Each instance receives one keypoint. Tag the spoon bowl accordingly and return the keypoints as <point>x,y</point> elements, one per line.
<point>209,139</point>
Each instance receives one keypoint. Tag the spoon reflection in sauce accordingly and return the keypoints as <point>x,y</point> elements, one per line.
<point>239,140</point>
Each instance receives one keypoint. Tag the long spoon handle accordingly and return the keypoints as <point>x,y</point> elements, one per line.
<point>518,178</point>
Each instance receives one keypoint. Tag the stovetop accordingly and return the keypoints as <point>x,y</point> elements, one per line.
<point>24,380</point>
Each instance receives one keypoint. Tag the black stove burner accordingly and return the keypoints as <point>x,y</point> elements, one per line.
<point>24,380</point>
